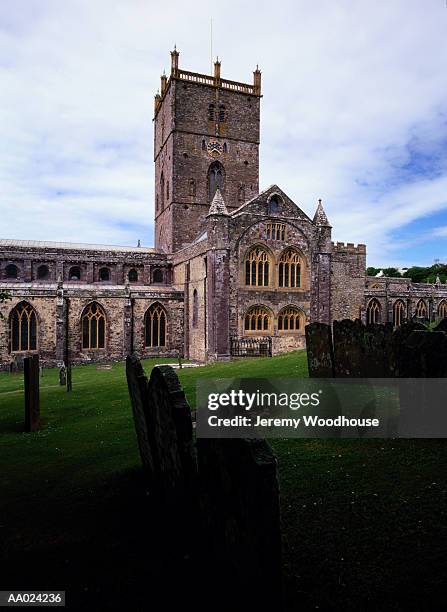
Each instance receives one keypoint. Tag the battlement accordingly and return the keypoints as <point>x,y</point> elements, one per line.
<point>349,247</point>
<point>205,79</point>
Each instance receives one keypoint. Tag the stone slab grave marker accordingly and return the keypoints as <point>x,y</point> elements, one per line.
<point>137,383</point>
<point>32,399</point>
<point>348,348</point>
<point>240,513</point>
<point>377,348</point>
<point>399,356</point>
<point>320,352</point>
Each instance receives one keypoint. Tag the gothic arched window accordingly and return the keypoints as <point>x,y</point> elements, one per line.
<point>155,327</point>
<point>373,312</point>
<point>257,268</point>
<point>442,309</point>
<point>157,276</point>
<point>93,323</point>
<point>192,187</point>
<point>291,320</point>
<point>241,193</point>
<point>43,272</point>
<point>132,276</point>
<point>221,113</point>
<point>275,204</point>
<point>74,273</point>
<point>257,320</point>
<point>398,313</point>
<point>11,271</point>
<point>290,269</point>
<point>215,179</point>
<point>211,112</point>
<point>104,274</point>
<point>195,308</point>
<point>23,328</point>
<point>421,309</point>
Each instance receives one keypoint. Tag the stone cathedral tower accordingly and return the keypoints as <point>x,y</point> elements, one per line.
<point>206,136</point>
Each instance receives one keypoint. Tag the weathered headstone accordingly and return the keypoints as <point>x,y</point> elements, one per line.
<point>397,356</point>
<point>320,352</point>
<point>424,355</point>
<point>348,348</point>
<point>169,427</point>
<point>377,348</point>
<point>32,399</point>
<point>138,391</point>
<point>240,514</point>
<point>62,375</point>
<point>69,378</point>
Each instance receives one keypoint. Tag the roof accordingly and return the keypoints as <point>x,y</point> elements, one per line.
<point>72,246</point>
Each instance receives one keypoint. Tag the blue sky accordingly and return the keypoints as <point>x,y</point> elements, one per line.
<point>354,111</point>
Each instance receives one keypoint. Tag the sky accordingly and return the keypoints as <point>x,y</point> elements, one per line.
<point>354,111</point>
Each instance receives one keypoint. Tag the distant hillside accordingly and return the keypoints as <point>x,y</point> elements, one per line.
<point>418,274</point>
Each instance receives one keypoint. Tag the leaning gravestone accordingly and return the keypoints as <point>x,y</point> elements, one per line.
<point>138,391</point>
<point>348,348</point>
<point>32,399</point>
<point>240,514</point>
<point>320,352</point>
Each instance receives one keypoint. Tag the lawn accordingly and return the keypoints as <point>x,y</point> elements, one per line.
<point>364,522</point>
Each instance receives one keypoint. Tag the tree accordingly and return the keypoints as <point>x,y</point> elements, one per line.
<point>391,272</point>
<point>372,271</point>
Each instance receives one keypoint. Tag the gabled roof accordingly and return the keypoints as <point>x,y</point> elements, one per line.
<point>260,205</point>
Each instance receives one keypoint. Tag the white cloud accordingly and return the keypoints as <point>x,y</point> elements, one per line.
<point>354,94</point>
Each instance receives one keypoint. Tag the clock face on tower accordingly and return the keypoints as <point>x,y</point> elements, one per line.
<point>214,148</point>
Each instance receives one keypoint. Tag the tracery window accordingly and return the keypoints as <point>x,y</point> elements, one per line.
<point>215,179</point>
<point>257,268</point>
<point>257,320</point>
<point>23,328</point>
<point>221,113</point>
<point>290,320</point>
<point>155,325</point>
<point>290,269</point>
<point>275,231</point>
<point>442,309</point>
<point>373,312</point>
<point>93,327</point>
<point>421,309</point>
<point>398,313</point>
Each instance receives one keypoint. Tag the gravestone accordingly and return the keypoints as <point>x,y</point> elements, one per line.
<point>424,355</point>
<point>400,336</point>
<point>138,391</point>
<point>32,399</point>
<point>320,352</point>
<point>240,514</point>
<point>62,376</point>
<point>348,348</point>
<point>442,325</point>
<point>169,427</point>
<point>376,353</point>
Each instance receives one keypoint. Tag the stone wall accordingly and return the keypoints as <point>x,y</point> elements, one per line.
<point>348,273</point>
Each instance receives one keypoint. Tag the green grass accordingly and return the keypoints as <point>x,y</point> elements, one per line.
<point>364,521</point>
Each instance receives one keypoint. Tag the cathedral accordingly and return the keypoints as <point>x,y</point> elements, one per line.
<point>234,272</point>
